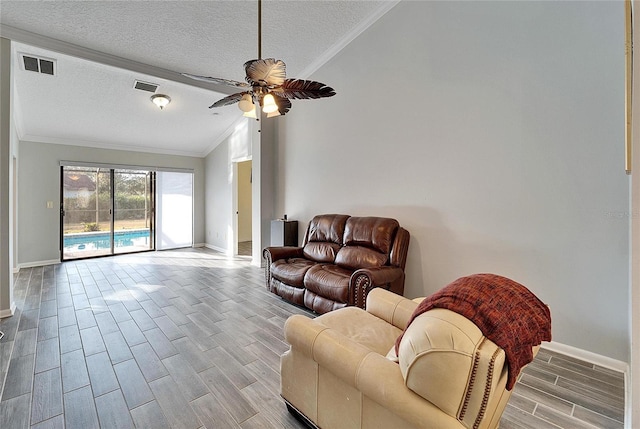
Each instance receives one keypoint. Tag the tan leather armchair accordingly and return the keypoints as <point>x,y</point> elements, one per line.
<point>340,370</point>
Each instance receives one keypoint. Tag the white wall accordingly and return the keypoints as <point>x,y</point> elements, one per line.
<point>249,140</point>
<point>493,131</point>
<point>218,197</point>
<point>39,182</point>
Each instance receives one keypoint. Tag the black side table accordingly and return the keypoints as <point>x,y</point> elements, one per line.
<point>284,232</point>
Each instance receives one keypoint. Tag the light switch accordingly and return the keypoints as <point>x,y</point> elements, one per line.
<point>49,204</point>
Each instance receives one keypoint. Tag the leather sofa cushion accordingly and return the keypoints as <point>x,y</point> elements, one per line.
<point>320,304</point>
<point>373,232</point>
<point>329,227</point>
<point>321,251</point>
<point>329,281</point>
<point>356,257</point>
<point>291,271</point>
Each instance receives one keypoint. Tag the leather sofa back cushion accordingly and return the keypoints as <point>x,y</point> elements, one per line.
<point>320,251</point>
<point>329,227</point>
<point>356,257</point>
<point>373,232</point>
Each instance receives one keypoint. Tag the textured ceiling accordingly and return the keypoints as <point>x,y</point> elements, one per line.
<point>101,47</point>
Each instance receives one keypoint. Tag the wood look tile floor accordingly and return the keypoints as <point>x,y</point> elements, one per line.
<point>191,339</point>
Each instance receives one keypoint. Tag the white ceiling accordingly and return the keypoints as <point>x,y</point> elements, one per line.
<point>102,47</point>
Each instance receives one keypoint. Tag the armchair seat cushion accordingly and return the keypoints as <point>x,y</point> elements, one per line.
<point>329,281</point>
<point>291,271</point>
<point>361,327</point>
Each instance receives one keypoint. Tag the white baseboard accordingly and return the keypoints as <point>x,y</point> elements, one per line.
<point>199,245</point>
<point>8,312</point>
<point>38,264</point>
<point>216,248</point>
<point>16,270</point>
<point>587,356</point>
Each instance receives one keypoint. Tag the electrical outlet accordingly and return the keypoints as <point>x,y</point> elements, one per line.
<point>49,204</point>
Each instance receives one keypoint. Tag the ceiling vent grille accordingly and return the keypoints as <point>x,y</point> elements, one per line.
<point>38,65</point>
<point>145,86</point>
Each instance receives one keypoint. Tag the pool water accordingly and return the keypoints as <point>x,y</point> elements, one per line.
<point>101,240</point>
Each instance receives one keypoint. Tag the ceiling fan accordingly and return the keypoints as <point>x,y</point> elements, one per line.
<point>267,85</point>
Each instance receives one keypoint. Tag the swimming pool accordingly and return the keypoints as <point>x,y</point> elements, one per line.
<point>101,240</point>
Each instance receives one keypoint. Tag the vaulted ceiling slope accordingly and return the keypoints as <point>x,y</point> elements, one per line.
<point>100,48</point>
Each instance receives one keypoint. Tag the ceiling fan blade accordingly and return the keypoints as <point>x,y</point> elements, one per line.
<point>265,72</point>
<point>233,98</point>
<point>217,80</point>
<point>283,104</point>
<point>304,89</point>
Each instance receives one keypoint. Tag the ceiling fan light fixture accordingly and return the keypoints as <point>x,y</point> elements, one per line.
<point>246,103</point>
<point>269,104</point>
<point>264,77</point>
<point>161,100</point>
<point>251,113</point>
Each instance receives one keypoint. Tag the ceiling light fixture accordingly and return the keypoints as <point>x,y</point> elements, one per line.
<point>160,100</point>
<point>267,86</point>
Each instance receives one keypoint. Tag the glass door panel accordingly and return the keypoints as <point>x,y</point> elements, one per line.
<point>132,224</point>
<point>86,212</point>
<point>174,224</point>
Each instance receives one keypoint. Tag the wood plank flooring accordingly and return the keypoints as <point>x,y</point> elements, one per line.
<point>191,339</point>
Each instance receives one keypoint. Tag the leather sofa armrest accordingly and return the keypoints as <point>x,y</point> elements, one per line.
<point>271,254</point>
<point>390,307</point>
<point>365,279</point>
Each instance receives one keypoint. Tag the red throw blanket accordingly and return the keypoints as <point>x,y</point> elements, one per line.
<point>505,311</point>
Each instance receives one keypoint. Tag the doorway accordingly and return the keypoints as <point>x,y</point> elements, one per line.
<point>244,211</point>
<point>105,211</point>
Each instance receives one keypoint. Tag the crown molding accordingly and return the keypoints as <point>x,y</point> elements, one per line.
<point>108,146</point>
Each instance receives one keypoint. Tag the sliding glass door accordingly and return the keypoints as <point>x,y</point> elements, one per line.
<point>106,211</point>
<point>132,220</point>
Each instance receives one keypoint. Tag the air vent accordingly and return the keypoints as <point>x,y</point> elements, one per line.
<point>145,86</point>
<point>38,65</point>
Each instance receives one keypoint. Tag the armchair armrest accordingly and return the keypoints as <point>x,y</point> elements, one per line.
<point>322,344</point>
<point>390,307</point>
<point>365,279</point>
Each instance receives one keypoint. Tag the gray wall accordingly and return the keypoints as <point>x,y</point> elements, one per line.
<point>493,131</point>
<point>6,276</point>
<point>39,182</point>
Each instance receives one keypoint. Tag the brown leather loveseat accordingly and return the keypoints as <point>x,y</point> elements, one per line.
<point>341,259</point>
